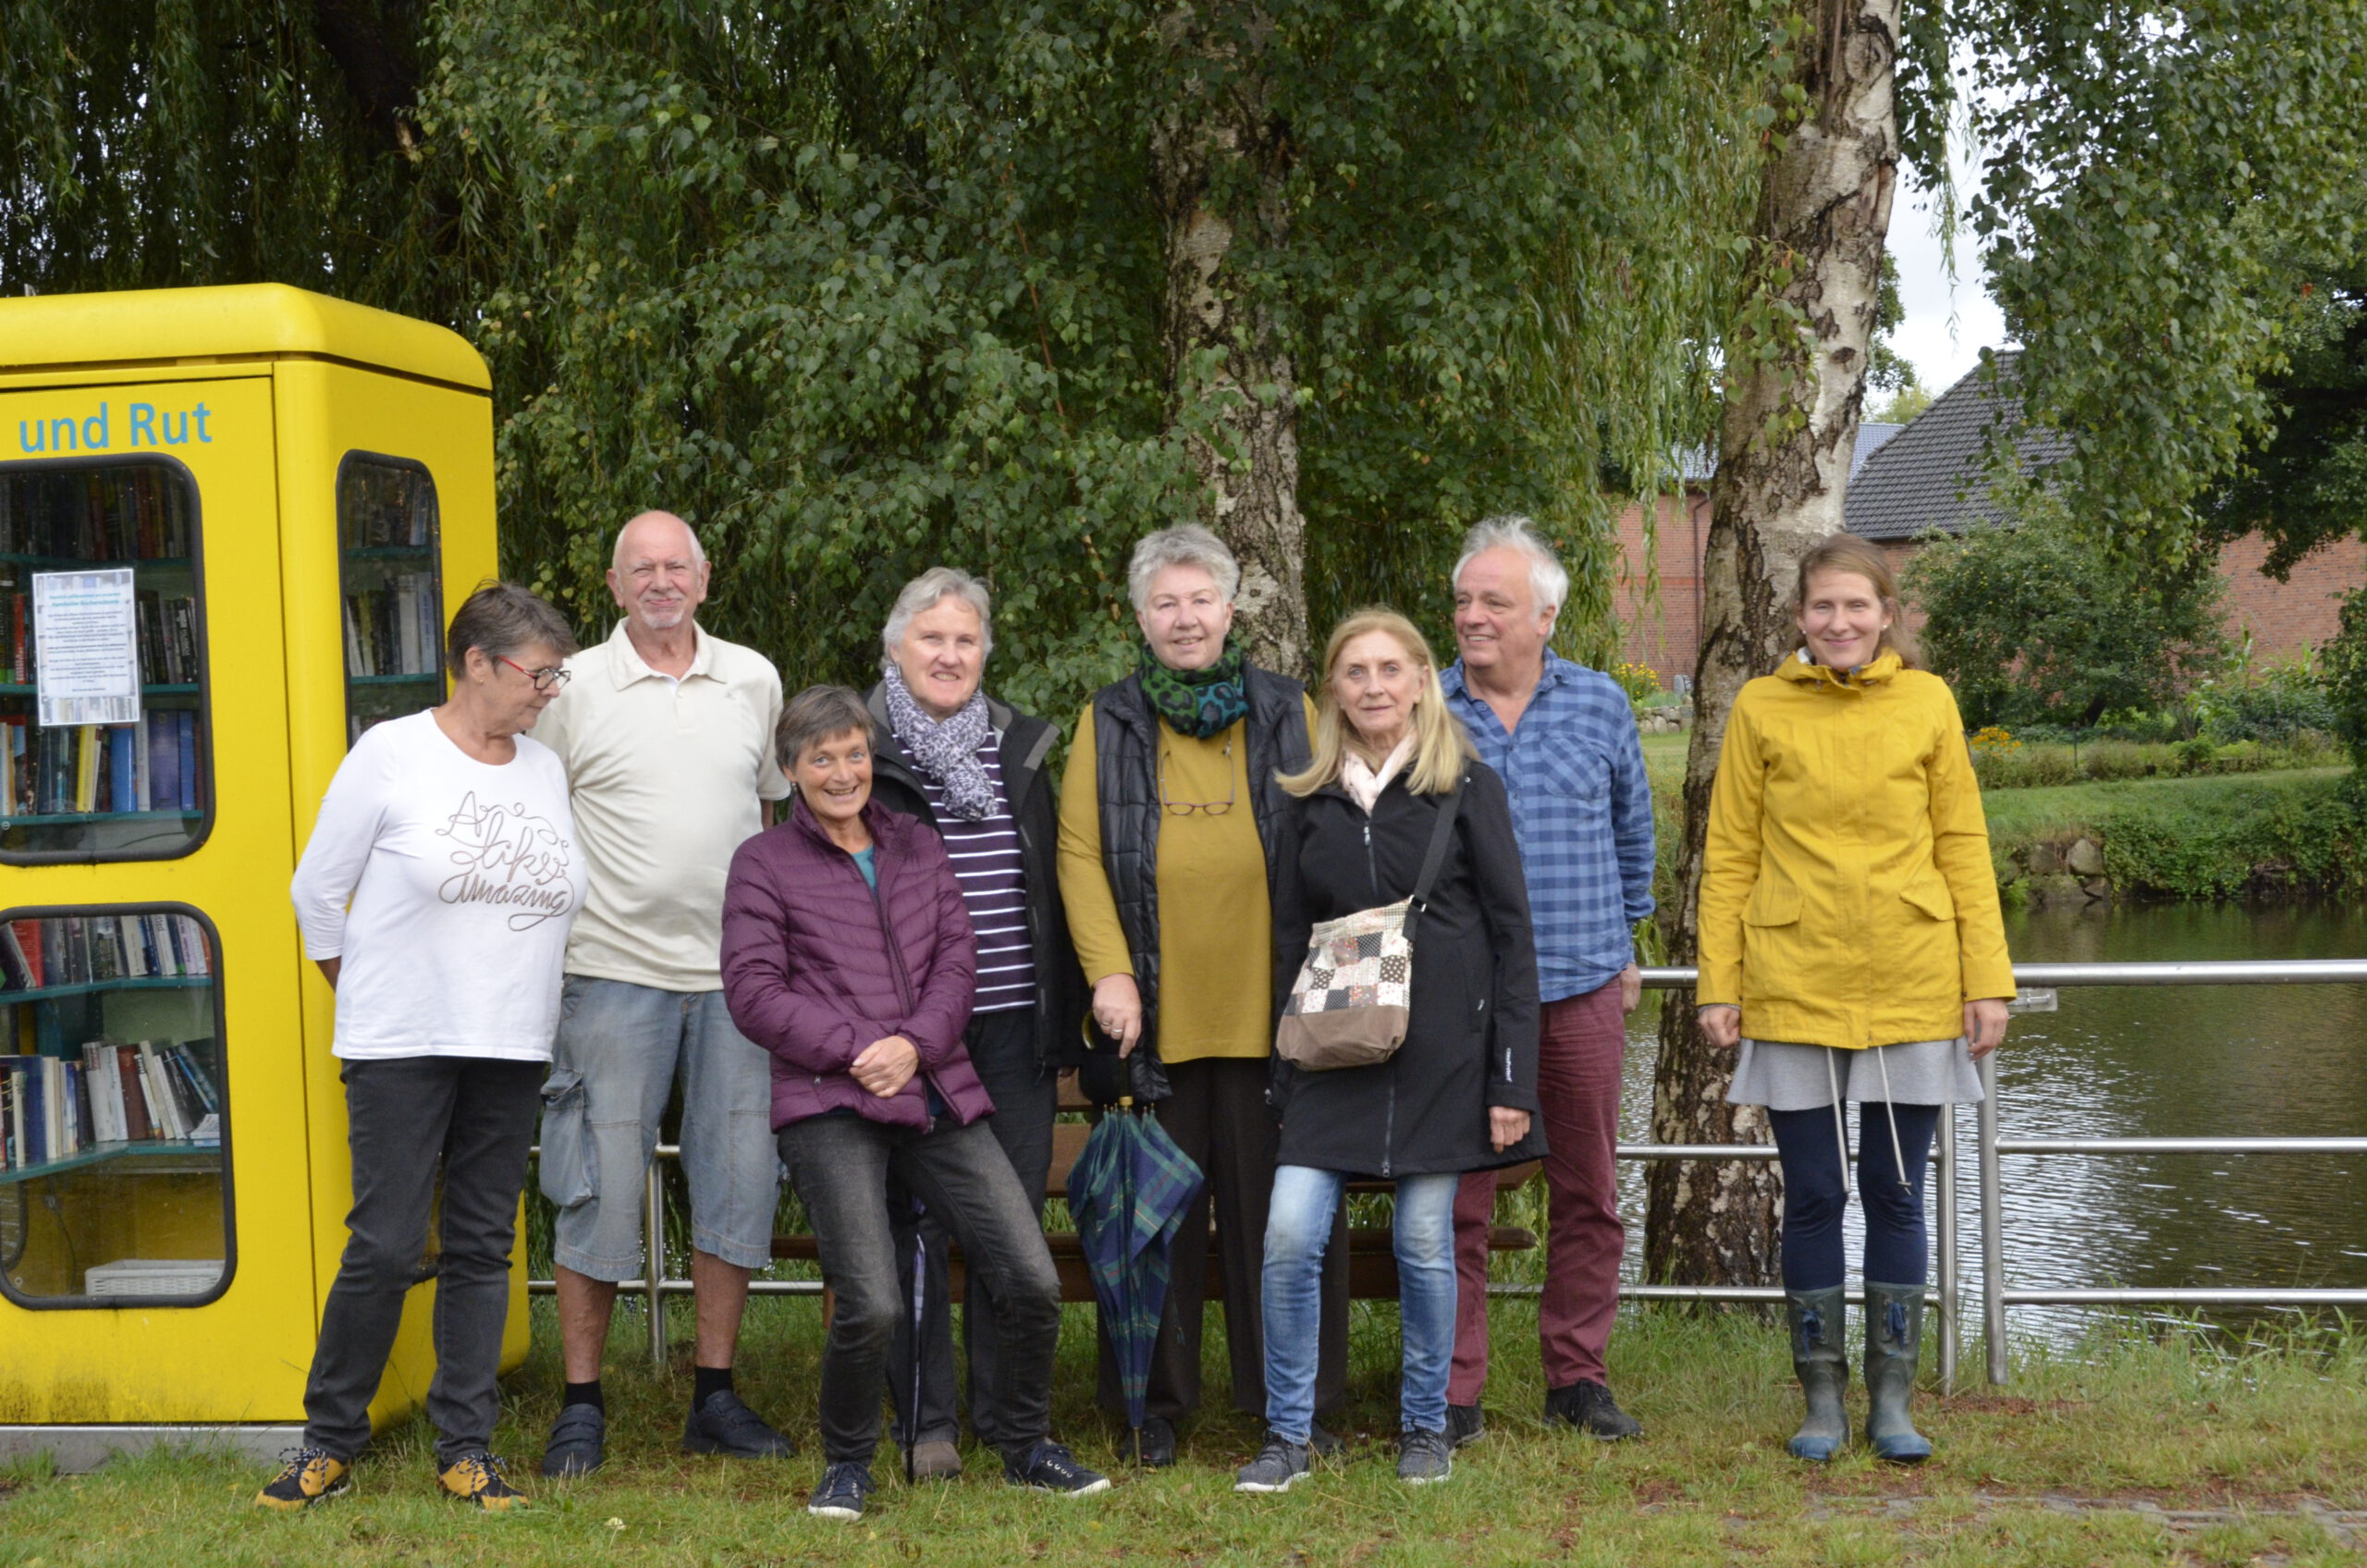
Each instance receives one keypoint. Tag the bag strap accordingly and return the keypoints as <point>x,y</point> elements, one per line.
<point>1434,859</point>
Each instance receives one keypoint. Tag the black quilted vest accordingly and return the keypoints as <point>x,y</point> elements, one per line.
<point>1126,759</point>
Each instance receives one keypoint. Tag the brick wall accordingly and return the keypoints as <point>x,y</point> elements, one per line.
<point>1663,633</point>
<point>2284,618</point>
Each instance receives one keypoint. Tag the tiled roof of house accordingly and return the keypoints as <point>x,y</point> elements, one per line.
<point>1699,465</point>
<point>1929,474</point>
<point>1871,438</point>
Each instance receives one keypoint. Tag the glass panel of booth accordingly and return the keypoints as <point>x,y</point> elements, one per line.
<point>105,746</point>
<point>113,1107</point>
<point>388,553</point>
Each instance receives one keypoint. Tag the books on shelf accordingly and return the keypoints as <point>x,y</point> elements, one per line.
<point>395,628</point>
<point>114,1092</point>
<point>149,765</point>
<point>79,950</point>
<point>139,511</point>
<point>167,627</point>
<point>382,506</point>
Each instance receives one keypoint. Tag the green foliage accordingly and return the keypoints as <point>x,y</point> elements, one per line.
<point>1901,407</point>
<point>2274,701</point>
<point>2345,663</point>
<point>2043,764</point>
<point>2148,170</point>
<point>2305,484</point>
<point>1886,369</point>
<point>2035,622</point>
<point>2275,833</point>
<point>861,287</point>
<point>155,143</point>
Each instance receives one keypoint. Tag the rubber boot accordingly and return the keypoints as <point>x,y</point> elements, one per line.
<point>1821,1360</point>
<point>1894,1342</point>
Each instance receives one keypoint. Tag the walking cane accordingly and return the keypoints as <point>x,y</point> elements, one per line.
<point>920,1306</point>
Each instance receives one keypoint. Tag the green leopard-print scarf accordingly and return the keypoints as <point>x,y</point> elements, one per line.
<point>1198,702</point>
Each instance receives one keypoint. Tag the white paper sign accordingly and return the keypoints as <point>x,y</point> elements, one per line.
<point>86,647</point>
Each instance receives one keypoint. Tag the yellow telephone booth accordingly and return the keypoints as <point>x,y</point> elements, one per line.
<point>230,522</point>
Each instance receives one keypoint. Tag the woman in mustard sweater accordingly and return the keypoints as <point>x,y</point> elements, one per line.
<point>1851,947</point>
<point>1169,810</point>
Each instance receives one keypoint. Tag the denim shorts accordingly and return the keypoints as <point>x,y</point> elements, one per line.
<point>613,1065</point>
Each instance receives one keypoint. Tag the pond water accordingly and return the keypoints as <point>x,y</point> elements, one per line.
<point>2175,1062</point>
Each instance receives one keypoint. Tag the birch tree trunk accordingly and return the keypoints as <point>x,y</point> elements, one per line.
<point>1220,155</point>
<point>1796,373</point>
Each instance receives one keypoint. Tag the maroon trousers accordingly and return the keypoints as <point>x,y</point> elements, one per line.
<point>1581,1041</point>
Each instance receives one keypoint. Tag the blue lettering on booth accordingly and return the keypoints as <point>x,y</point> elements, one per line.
<point>146,426</point>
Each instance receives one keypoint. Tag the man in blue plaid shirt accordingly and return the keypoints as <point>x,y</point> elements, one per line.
<point>1564,739</point>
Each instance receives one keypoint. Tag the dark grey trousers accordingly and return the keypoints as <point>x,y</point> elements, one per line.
<point>472,1117</point>
<point>840,1166</point>
<point>1002,1048</point>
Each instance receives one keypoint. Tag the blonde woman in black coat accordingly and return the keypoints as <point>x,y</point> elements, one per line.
<point>1458,1095</point>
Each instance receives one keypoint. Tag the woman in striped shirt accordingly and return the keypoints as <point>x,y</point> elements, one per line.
<point>973,768</point>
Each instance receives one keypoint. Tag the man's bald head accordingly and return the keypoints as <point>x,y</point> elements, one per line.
<point>659,530</point>
<point>659,574</point>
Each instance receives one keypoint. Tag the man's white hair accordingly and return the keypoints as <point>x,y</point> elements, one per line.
<point>617,556</point>
<point>1548,579</point>
<point>1185,545</point>
<point>924,592</point>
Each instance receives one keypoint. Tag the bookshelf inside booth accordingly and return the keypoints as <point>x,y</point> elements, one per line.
<point>113,780</point>
<point>113,1107</point>
<point>390,553</point>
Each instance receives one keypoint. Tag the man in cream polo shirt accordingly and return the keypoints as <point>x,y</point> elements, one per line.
<point>667,745</point>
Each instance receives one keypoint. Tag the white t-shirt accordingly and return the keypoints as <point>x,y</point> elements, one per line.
<point>461,878</point>
<point>668,774</point>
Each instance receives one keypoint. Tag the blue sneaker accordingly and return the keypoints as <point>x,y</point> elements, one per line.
<point>844,1485</point>
<point>1050,1468</point>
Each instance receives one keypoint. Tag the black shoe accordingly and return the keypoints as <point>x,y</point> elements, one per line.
<point>1324,1445</point>
<point>1278,1467</point>
<point>1154,1443</point>
<point>1424,1458</point>
<point>1050,1468</point>
<point>1465,1424</point>
<point>1588,1406</point>
<point>579,1442</point>
<point>725,1425</point>
<point>840,1496</point>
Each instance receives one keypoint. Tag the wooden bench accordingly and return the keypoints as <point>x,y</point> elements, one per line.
<point>1372,1261</point>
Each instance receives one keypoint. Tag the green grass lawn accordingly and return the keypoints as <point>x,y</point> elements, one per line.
<point>2022,814</point>
<point>2070,1464</point>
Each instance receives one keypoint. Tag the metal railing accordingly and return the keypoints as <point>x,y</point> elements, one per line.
<point>658,1285</point>
<point>2036,983</point>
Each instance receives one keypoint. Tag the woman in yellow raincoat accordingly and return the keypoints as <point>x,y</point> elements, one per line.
<point>1851,947</point>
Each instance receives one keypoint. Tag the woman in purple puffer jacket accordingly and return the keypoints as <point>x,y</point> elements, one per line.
<point>848,953</point>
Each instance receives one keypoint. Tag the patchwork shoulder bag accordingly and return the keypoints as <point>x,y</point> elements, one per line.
<point>1354,994</point>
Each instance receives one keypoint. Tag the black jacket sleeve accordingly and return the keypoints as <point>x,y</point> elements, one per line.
<point>1486,827</point>
<point>1293,924</point>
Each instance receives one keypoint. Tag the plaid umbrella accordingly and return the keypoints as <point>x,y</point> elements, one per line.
<point>1127,1192</point>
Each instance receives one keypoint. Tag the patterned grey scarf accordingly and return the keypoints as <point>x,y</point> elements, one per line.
<point>947,752</point>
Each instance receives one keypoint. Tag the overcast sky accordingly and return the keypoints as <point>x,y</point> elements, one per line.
<point>1946,325</point>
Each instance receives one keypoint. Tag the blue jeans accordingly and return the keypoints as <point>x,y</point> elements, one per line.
<point>1298,1227</point>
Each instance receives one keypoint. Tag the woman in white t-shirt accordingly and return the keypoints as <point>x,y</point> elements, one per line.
<point>435,894</point>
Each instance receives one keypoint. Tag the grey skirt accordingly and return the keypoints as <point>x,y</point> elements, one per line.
<point>1790,1077</point>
